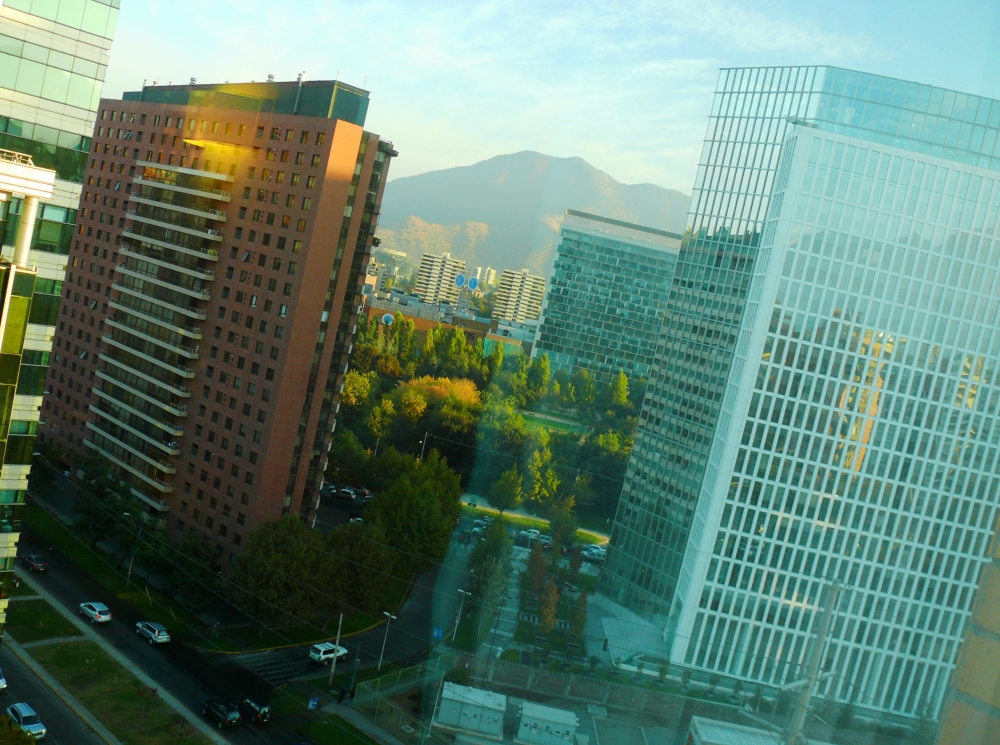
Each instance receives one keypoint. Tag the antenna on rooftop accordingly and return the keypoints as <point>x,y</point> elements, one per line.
<point>270,78</point>
<point>193,81</point>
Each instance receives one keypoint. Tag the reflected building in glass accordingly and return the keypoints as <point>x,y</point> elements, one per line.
<point>604,306</point>
<point>824,398</point>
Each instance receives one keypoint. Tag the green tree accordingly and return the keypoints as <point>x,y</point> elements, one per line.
<point>380,418</point>
<point>99,511</point>
<point>537,568</point>
<point>584,387</point>
<point>537,377</point>
<point>618,393</point>
<point>348,460</point>
<point>489,567</point>
<point>12,734</point>
<point>359,571</point>
<point>357,388</point>
<point>495,360</point>
<point>276,575</point>
<point>506,493</point>
<point>542,479</point>
<point>194,578</point>
<point>548,606</point>
<point>414,405</point>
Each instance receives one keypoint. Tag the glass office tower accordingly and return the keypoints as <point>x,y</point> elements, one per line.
<point>53,56</point>
<point>823,402</point>
<point>604,306</point>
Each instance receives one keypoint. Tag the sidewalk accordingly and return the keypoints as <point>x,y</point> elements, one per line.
<point>68,698</point>
<point>197,722</point>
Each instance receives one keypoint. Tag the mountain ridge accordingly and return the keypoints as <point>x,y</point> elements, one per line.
<point>505,211</point>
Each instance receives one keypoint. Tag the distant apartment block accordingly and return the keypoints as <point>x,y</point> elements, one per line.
<point>212,295</point>
<point>519,297</point>
<point>487,276</point>
<point>436,278</point>
<point>604,307</point>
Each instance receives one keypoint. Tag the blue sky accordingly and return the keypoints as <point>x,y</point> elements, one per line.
<point>625,85</point>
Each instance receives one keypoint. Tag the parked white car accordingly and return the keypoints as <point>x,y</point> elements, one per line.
<point>25,717</point>
<point>96,612</point>
<point>530,534</point>
<point>156,632</point>
<point>324,652</point>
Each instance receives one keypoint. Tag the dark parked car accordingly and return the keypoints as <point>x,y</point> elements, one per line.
<point>223,713</point>
<point>465,537</point>
<point>34,562</point>
<point>253,711</point>
<point>346,492</point>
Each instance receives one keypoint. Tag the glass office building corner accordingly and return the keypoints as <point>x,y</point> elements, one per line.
<point>840,420</point>
<point>53,57</point>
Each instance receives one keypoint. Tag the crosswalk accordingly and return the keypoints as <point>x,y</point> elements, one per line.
<point>277,666</point>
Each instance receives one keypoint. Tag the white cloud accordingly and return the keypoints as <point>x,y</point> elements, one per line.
<point>625,85</point>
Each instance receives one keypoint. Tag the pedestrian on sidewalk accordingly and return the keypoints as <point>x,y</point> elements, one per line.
<point>343,693</point>
<point>350,701</point>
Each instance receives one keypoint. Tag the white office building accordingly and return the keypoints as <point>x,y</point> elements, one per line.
<point>824,399</point>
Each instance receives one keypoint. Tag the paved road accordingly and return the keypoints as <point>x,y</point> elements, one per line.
<point>65,727</point>
<point>175,667</point>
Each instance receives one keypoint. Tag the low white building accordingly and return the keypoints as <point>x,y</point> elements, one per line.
<point>714,732</point>
<point>474,711</point>
<point>544,725</point>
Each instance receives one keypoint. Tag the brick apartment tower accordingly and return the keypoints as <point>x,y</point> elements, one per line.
<point>211,296</point>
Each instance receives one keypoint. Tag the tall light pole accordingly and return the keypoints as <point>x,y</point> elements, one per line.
<point>389,619</point>
<point>458,619</point>
<point>138,533</point>
<point>423,445</point>
<point>336,652</point>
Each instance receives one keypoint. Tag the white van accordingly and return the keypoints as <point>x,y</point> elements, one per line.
<point>324,652</point>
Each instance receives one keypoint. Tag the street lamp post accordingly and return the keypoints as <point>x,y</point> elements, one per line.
<point>357,663</point>
<point>137,536</point>
<point>458,618</point>
<point>389,619</point>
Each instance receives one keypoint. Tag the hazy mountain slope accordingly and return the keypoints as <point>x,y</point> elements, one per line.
<point>505,212</point>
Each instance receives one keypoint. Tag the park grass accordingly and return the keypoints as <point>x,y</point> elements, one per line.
<point>333,730</point>
<point>35,620</point>
<point>22,589</point>
<point>131,710</point>
<point>532,420</point>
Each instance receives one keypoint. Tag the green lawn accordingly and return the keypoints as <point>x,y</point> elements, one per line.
<point>102,568</point>
<point>34,620</point>
<point>115,696</point>
<point>20,590</point>
<point>536,421</point>
<point>335,731</point>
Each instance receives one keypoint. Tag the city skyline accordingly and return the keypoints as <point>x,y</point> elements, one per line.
<point>571,74</point>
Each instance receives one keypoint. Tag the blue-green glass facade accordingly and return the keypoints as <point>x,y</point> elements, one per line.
<point>604,305</point>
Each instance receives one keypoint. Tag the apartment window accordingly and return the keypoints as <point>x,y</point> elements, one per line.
<point>296,178</point>
<point>320,138</point>
<point>300,158</point>
<point>246,192</point>
<point>290,200</point>
<point>306,203</point>
<point>270,374</point>
<point>310,182</point>
<point>251,171</point>
<point>287,289</point>
<point>260,133</point>
<point>300,227</point>
<point>261,416</point>
<point>296,247</point>
<point>243,129</point>
<point>292,266</point>
<point>272,285</point>
<point>283,311</point>
<point>279,332</point>
<point>247,410</point>
<point>315,161</point>
<point>274,353</point>
<point>271,154</point>
<point>276,264</point>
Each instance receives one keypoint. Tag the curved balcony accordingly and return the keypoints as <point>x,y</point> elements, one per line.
<point>210,254</point>
<point>192,332</point>
<point>205,274</point>
<point>189,352</point>
<point>198,294</point>
<point>155,462</point>
<point>175,409</point>
<point>207,233</point>
<point>206,214</point>
<point>184,372</point>
<point>172,429</point>
<point>170,448</point>
<point>187,311</point>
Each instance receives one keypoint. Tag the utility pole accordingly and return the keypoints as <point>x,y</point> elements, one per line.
<point>458,619</point>
<point>798,723</point>
<point>423,445</point>
<point>336,651</point>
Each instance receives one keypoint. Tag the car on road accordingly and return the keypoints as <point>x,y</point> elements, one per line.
<point>356,519</point>
<point>34,562</point>
<point>3,683</point>
<point>465,537</point>
<point>25,717</point>
<point>254,711</point>
<point>96,612</point>
<point>156,633</point>
<point>324,652</point>
<point>361,493</point>
<point>223,713</point>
